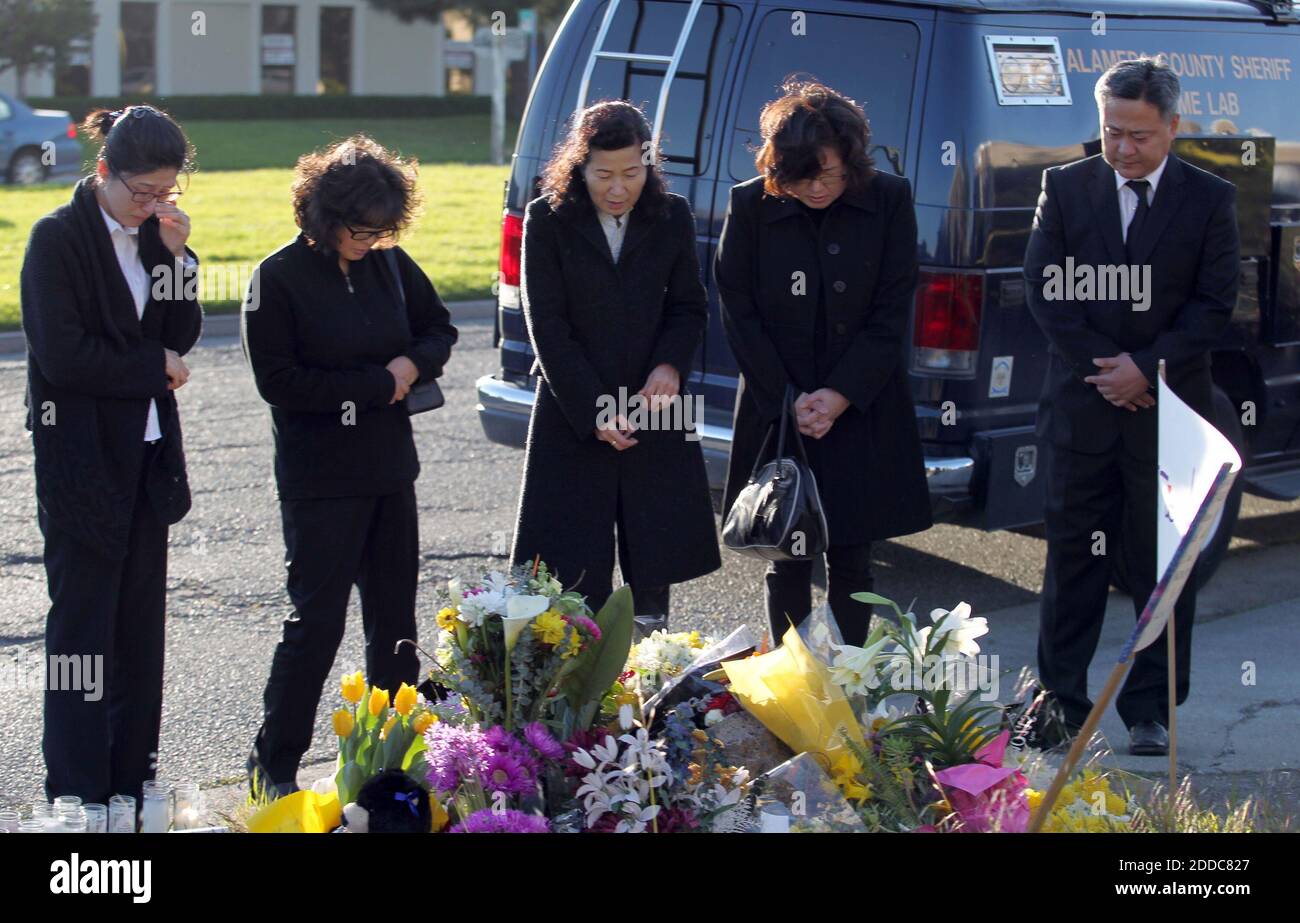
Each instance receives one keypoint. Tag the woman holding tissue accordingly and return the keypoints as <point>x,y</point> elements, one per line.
<point>815,269</point>
<point>616,311</point>
<point>109,306</point>
<point>337,332</point>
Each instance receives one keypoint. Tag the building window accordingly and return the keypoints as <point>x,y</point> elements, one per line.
<point>279,49</point>
<point>138,39</point>
<point>335,50</point>
<point>72,70</point>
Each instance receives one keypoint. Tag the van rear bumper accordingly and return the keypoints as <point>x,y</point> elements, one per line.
<point>504,409</point>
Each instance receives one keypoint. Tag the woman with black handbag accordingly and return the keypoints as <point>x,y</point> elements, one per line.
<point>109,305</point>
<point>342,338</point>
<point>616,311</point>
<point>816,268</point>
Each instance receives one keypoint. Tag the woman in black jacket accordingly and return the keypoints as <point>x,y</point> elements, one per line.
<point>616,311</point>
<point>336,341</point>
<point>109,306</point>
<point>815,269</point>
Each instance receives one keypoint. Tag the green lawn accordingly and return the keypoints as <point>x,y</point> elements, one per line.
<point>238,202</point>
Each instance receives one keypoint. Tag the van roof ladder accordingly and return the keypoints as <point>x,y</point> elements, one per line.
<point>671,62</point>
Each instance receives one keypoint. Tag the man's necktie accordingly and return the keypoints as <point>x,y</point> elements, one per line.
<point>1140,186</point>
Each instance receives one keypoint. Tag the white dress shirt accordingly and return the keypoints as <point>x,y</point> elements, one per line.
<point>126,243</point>
<point>1128,199</point>
<point>615,230</point>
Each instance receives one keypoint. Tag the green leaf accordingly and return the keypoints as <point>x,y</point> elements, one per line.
<point>596,668</point>
<point>876,599</point>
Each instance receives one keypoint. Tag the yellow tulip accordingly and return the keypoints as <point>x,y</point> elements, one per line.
<point>405,700</point>
<point>388,726</point>
<point>422,722</point>
<point>353,687</point>
<point>343,722</point>
<point>378,701</point>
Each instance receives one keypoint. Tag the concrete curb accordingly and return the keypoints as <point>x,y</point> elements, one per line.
<point>217,326</point>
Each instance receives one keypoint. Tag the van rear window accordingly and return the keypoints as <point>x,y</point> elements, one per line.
<point>871,60</point>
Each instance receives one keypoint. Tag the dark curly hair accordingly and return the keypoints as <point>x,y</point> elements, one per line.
<point>355,181</point>
<point>796,126</point>
<point>139,139</point>
<point>608,125</point>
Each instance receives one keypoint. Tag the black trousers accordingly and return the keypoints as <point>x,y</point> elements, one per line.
<point>788,591</point>
<point>1091,497</point>
<point>330,544</point>
<point>108,614</point>
<point>649,603</point>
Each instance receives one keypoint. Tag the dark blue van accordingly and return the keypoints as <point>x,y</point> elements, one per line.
<point>971,100</point>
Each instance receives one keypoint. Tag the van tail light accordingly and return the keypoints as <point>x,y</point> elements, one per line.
<point>72,131</point>
<point>512,242</point>
<point>946,332</point>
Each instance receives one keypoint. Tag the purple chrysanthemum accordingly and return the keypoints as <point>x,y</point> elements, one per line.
<point>505,772</point>
<point>453,755</point>
<point>541,740</point>
<point>499,739</point>
<point>488,821</point>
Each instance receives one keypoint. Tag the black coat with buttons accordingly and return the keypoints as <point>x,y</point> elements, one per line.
<point>772,265</point>
<point>598,326</point>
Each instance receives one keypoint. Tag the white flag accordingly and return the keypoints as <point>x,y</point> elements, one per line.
<point>1190,455</point>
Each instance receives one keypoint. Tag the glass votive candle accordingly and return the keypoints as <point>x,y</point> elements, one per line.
<point>156,809</point>
<point>9,821</point>
<point>48,817</point>
<point>31,826</point>
<point>96,818</point>
<point>121,814</point>
<point>75,822</point>
<point>189,807</point>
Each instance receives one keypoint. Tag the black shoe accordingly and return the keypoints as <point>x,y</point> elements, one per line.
<point>1148,738</point>
<point>261,786</point>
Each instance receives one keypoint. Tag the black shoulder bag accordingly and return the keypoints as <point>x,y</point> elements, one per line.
<point>424,395</point>
<point>778,515</point>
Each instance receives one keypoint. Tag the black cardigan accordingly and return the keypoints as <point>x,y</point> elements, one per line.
<point>92,367</point>
<point>318,351</point>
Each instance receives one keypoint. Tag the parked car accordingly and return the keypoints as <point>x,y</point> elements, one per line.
<point>971,101</point>
<point>36,144</point>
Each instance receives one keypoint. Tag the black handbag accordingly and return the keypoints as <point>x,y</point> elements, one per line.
<point>424,395</point>
<point>778,516</point>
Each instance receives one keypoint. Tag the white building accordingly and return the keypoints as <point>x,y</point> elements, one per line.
<point>304,47</point>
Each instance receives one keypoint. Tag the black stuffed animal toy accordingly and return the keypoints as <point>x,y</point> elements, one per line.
<point>391,802</point>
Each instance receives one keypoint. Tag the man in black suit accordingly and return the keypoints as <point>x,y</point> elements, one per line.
<point>1158,239</point>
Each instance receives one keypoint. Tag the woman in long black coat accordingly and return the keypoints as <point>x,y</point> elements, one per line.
<point>109,302</point>
<point>616,311</point>
<point>816,268</point>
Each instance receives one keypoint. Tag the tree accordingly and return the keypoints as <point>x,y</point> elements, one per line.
<point>35,33</point>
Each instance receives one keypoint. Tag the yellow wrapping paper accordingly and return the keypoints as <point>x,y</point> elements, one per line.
<point>790,691</point>
<point>301,812</point>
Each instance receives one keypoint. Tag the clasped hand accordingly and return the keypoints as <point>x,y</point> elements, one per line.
<point>404,375</point>
<point>816,412</point>
<point>661,386</point>
<point>1122,383</point>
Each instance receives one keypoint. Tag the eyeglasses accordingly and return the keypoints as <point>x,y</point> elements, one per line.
<point>144,198</point>
<point>382,234</point>
<point>830,179</point>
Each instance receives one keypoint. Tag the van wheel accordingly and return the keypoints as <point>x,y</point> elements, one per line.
<point>1212,556</point>
<point>26,169</point>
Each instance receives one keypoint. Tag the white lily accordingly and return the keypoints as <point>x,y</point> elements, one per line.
<point>961,628</point>
<point>520,610</point>
<point>855,669</point>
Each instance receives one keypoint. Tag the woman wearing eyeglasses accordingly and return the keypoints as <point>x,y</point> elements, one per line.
<point>335,341</point>
<point>104,347</point>
<point>815,269</point>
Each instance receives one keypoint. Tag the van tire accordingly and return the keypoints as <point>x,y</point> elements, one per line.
<point>1229,424</point>
<point>26,169</point>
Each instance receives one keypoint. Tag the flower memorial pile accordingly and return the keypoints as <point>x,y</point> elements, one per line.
<point>551,721</point>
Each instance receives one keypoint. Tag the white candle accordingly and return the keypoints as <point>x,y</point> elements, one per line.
<point>153,816</point>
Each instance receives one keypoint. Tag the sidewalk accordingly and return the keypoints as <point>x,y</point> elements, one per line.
<point>218,326</point>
